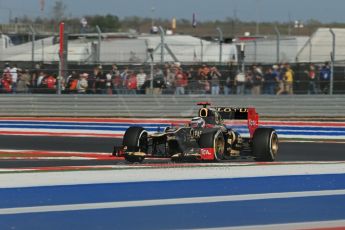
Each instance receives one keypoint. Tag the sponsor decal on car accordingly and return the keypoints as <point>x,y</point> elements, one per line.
<point>207,153</point>
<point>252,122</point>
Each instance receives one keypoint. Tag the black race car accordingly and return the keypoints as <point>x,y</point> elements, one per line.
<point>205,137</point>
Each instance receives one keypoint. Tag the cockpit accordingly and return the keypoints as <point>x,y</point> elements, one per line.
<point>211,116</point>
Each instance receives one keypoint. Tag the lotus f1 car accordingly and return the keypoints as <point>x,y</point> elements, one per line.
<point>205,138</point>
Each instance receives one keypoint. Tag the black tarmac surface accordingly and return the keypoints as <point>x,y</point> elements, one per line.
<point>288,151</point>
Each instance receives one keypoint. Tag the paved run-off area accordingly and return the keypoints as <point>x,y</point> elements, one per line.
<point>290,196</point>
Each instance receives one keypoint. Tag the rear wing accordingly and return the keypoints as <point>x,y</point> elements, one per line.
<point>249,114</point>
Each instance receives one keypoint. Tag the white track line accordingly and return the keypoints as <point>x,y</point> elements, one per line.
<point>27,151</point>
<point>290,226</point>
<point>46,158</point>
<point>158,202</point>
<point>33,179</point>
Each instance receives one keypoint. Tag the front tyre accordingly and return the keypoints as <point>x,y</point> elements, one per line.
<point>135,140</point>
<point>265,144</point>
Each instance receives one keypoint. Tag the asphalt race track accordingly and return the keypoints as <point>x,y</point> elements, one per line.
<point>288,151</point>
<point>88,192</point>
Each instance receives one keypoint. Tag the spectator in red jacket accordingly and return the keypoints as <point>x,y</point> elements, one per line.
<point>6,81</point>
<point>311,79</point>
<point>180,82</point>
<point>132,83</point>
<point>49,83</point>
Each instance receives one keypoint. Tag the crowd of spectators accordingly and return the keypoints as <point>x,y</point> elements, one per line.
<point>279,79</point>
<point>167,79</point>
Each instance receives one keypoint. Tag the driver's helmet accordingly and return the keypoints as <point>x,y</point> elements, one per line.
<point>197,122</point>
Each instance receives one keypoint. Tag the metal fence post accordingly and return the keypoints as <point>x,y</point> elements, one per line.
<point>243,64</point>
<point>255,50</point>
<point>201,51</point>
<point>150,52</point>
<point>99,32</point>
<point>278,43</point>
<point>161,31</point>
<point>220,44</point>
<point>42,47</point>
<point>332,62</point>
<point>310,51</point>
<point>33,38</point>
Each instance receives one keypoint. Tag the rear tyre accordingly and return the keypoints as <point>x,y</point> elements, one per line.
<point>215,140</point>
<point>135,139</point>
<point>265,144</point>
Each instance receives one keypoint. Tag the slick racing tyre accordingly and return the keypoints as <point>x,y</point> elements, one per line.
<point>215,140</point>
<point>265,144</point>
<point>135,139</point>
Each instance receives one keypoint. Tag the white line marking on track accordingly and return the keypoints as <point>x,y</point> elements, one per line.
<point>177,201</point>
<point>290,226</point>
<point>50,152</point>
<point>34,179</point>
<point>14,170</point>
<point>47,158</point>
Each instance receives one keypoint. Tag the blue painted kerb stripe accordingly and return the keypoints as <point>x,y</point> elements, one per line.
<point>52,195</point>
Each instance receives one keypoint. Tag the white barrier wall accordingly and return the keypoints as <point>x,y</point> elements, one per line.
<point>167,105</point>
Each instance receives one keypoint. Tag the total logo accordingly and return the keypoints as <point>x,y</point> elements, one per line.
<point>206,152</point>
<point>252,123</point>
